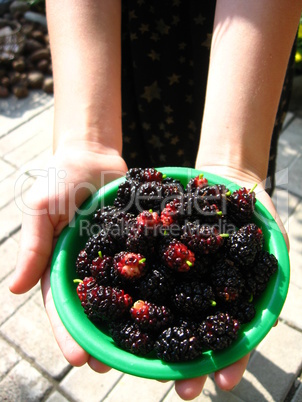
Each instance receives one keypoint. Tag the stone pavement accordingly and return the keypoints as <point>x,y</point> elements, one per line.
<point>31,365</point>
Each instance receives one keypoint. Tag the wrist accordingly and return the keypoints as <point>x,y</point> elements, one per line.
<point>239,175</point>
<point>83,162</point>
<point>90,141</point>
<point>234,155</point>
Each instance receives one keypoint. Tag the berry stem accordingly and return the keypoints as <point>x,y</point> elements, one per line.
<point>189,263</point>
<point>77,281</point>
<point>141,261</point>
<point>224,235</point>
<point>228,193</point>
<point>100,254</point>
<point>253,188</point>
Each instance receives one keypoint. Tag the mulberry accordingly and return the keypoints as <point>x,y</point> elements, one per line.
<point>245,244</point>
<point>241,205</point>
<point>150,316</point>
<point>218,331</point>
<point>178,344</point>
<point>201,239</point>
<point>178,257</point>
<point>130,337</point>
<point>193,299</point>
<point>103,302</point>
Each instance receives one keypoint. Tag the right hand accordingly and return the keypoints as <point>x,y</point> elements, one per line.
<point>79,171</point>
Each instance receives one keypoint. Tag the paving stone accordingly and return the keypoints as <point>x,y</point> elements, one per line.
<point>289,145</point>
<point>33,147</point>
<point>11,214</point>
<point>292,139</point>
<point>10,302</point>
<point>16,236</point>
<point>56,397</point>
<point>273,367</point>
<point>24,383</point>
<point>25,127</point>
<point>294,182</point>
<point>14,112</point>
<point>10,217</point>
<point>296,266</point>
<point>17,138</point>
<point>288,118</point>
<point>36,166</point>
<point>13,185</point>
<point>8,257</point>
<point>6,169</point>
<point>96,386</point>
<point>295,237</point>
<point>9,358</point>
<point>210,393</point>
<point>295,128</point>
<point>292,308</point>
<point>136,389</point>
<point>286,155</point>
<point>285,204</point>
<point>35,337</point>
<point>291,177</point>
<point>289,160</point>
<point>42,123</point>
<point>298,395</point>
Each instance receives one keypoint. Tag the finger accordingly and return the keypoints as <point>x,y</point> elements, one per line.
<point>266,200</point>
<point>34,252</point>
<point>229,377</point>
<point>191,388</point>
<point>72,352</point>
<point>98,366</point>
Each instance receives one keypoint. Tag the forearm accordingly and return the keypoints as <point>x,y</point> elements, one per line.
<point>251,44</point>
<point>86,58</point>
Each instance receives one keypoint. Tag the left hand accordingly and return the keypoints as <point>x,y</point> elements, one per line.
<point>228,377</point>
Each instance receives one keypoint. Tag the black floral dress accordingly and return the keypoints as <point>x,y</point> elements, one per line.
<point>165,58</point>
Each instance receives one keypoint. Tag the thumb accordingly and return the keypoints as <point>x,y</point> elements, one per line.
<point>34,252</point>
<point>41,221</point>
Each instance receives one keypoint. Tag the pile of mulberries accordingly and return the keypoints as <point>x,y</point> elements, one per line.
<point>173,270</point>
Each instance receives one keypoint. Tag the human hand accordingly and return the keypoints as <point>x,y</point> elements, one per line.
<point>40,254</point>
<point>71,175</point>
<point>227,378</point>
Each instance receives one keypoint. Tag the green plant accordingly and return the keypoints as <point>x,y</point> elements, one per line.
<point>298,56</point>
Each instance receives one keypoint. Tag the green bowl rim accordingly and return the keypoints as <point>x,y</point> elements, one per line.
<point>101,346</point>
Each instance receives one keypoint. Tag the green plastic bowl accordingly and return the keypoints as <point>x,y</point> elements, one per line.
<point>97,342</point>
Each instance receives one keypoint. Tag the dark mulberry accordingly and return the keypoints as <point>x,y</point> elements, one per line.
<point>102,242</point>
<point>83,263</point>
<point>227,280</point>
<point>245,244</point>
<point>201,239</point>
<point>178,344</point>
<point>193,299</point>
<point>157,285</point>
<point>129,336</point>
<point>241,205</point>
<point>218,331</point>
